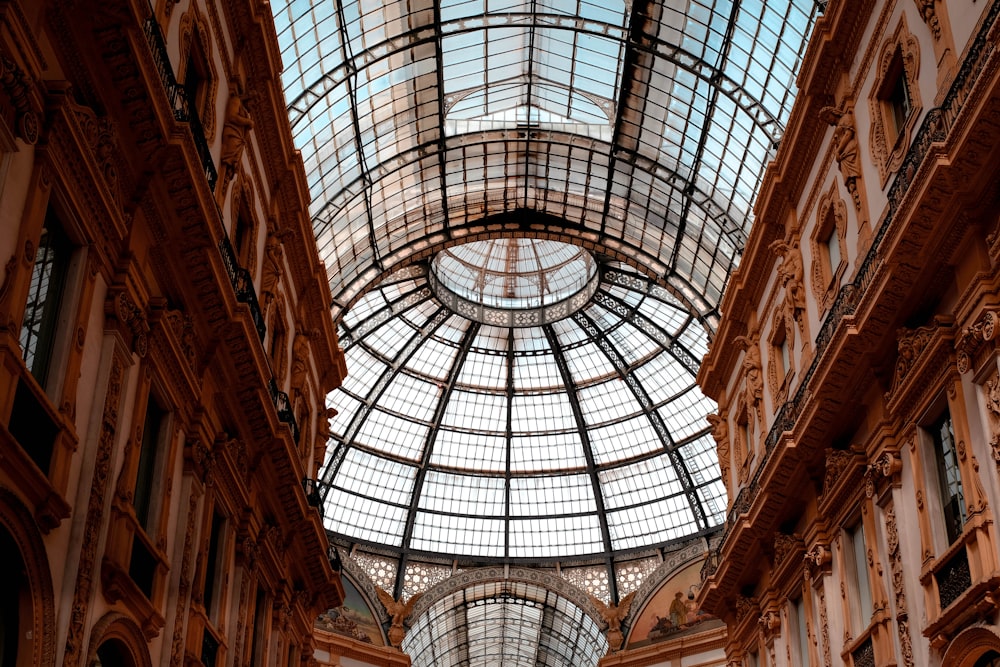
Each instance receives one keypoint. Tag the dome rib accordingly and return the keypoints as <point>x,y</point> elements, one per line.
<point>587,323</point>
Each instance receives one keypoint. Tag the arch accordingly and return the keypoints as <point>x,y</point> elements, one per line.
<point>18,522</point>
<point>467,578</point>
<point>121,632</point>
<point>673,563</point>
<point>970,645</point>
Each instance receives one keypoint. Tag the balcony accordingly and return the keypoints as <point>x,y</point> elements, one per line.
<point>284,408</point>
<point>935,128</point>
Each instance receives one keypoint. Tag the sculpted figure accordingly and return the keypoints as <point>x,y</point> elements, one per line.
<point>792,275</point>
<point>273,256</point>
<point>398,611</point>
<point>720,432</point>
<point>234,132</point>
<point>300,359</point>
<point>845,142</point>
<point>613,615</point>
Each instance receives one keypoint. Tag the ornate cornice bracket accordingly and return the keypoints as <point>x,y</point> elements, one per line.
<point>974,337</point>
<point>887,465</point>
<point>129,319</point>
<point>16,85</point>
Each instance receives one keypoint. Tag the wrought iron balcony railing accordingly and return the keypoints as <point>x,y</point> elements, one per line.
<point>284,408</point>
<point>182,107</point>
<point>243,285</point>
<point>936,125</point>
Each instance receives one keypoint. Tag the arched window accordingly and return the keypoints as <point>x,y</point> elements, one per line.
<point>113,653</point>
<point>989,659</point>
<point>12,596</point>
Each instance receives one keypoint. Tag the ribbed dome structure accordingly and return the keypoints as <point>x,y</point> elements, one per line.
<point>580,436</point>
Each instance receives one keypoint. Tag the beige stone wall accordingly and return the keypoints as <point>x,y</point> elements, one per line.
<point>151,472</point>
<point>834,369</point>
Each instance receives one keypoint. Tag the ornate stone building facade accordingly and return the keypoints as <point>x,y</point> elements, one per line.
<point>862,473</point>
<point>165,342</point>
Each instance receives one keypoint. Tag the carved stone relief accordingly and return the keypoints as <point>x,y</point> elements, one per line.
<point>899,594</point>
<point>888,149</point>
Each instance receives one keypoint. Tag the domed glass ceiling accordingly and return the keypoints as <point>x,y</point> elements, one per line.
<point>580,437</point>
<point>504,623</point>
<point>637,130</point>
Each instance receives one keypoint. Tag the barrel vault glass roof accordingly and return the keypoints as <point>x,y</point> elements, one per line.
<point>636,130</point>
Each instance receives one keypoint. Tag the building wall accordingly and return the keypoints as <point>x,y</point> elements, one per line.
<point>859,327</point>
<point>165,341</point>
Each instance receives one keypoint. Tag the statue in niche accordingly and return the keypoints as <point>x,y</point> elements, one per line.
<point>845,143</point>
<point>234,132</point>
<point>720,432</point>
<point>754,381</point>
<point>273,266</point>
<point>792,276</point>
<point>300,360</point>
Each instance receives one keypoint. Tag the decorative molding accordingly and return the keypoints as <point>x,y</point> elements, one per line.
<point>182,326</point>
<point>783,546</point>
<point>19,523</point>
<point>746,606</point>
<point>898,589</point>
<point>831,222</point>
<point>824,627</point>
<point>837,462</point>
<point>15,84</point>
<point>125,632</point>
<point>888,153</point>
<point>96,505</point>
<point>193,24</point>
<point>910,344</point>
<point>973,338</point>
<point>184,585</point>
<point>928,12</point>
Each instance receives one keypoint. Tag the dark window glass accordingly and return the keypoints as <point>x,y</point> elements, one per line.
<point>949,478</point>
<point>41,312</point>
<point>15,582</point>
<point>112,654</point>
<point>212,566</point>
<point>145,480</point>
<point>899,102</point>
<point>988,659</point>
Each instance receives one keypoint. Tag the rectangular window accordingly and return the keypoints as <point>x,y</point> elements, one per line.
<point>833,251</point>
<point>146,478</point>
<point>257,638</point>
<point>899,102</point>
<point>786,359</point>
<point>214,571</point>
<point>860,594</point>
<point>949,476</point>
<point>41,313</point>
<point>801,630</point>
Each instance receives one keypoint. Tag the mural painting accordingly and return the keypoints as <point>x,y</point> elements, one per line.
<point>353,619</point>
<point>672,611</point>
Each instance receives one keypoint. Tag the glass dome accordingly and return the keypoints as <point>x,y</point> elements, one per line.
<point>580,437</point>
<point>514,281</point>
<point>436,137</point>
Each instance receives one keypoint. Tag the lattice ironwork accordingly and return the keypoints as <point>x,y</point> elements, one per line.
<point>954,578</point>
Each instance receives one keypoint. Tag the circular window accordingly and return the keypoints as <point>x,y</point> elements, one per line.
<point>514,281</point>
